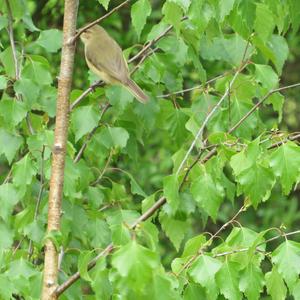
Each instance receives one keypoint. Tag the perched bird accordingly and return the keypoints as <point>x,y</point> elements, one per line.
<point>104,57</point>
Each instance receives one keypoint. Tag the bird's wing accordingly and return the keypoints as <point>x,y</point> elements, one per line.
<point>107,59</point>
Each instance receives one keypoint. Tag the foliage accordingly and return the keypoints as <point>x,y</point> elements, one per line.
<point>122,156</point>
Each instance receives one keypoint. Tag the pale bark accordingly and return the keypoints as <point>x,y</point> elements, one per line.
<point>50,281</point>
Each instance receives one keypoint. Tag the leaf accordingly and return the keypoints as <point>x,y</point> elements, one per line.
<point>266,76</point>
<point>277,101</point>
<point>275,285</point>
<point>23,171</point>
<point>84,119</point>
<point>50,40</point>
<point>207,193</point>
<point>203,271</point>
<point>264,21</point>
<point>227,280</point>
<point>104,3</point>
<point>6,57</point>
<point>172,15</point>
<point>135,262</point>
<point>12,112</point>
<point>285,162</point>
<point>113,137</point>
<point>294,7</point>
<point>8,199</point>
<point>3,22</point>
<point>83,261</point>
<point>140,10</point>
<point>184,4</point>
<point>193,292</point>
<point>193,245</point>
<point>287,259</point>
<point>38,71</point>
<point>230,49</point>
<point>252,282</point>
<point>3,81</point>
<point>12,144</point>
<point>29,90</point>
<point>226,7</point>
<point>173,228</point>
<point>171,187</point>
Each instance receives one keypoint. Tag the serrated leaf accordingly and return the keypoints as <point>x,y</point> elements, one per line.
<point>12,112</point>
<point>225,8</point>
<point>173,228</point>
<point>84,119</point>
<point>285,162</point>
<point>203,271</point>
<point>29,90</point>
<point>264,22</point>
<point>227,280</point>
<point>23,171</point>
<point>207,193</point>
<point>3,81</point>
<point>252,281</point>
<point>37,71</point>
<point>193,245</point>
<point>139,12</point>
<point>266,76</point>
<point>135,262</point>
<point>12,144</point>
<point>275,285</point>
<point>113,137</point>
<point>83,261</point>
<point>172,14</point>
<point>171,187</point>
<point>104,3</point>
<point>287,259</point>
<point>50,40</point>
<point>8,199</point>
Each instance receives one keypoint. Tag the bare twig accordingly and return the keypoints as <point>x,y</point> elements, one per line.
<point>98,20</point>
<point>200,86</point>
<point>208,117</point>
<point>59,151</point>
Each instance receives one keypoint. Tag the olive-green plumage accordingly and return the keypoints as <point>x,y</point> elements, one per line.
<point>104,57</point>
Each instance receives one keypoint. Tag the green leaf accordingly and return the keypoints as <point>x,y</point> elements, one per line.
<point>193,292</point>
<point>6,237</point>
<point>3,22</point>
<point>275,285</point>
<point>83,261</point>
<point>104,3</point>
<point>50,40</point>
<point>3,81</point>
<point>84,119</point>
<point>29,90</point>
<point>193,245</point>
<point>140,10</point>
<point>12,112</point>
<point>6,57</point>
<point>230,49</point>
<point>207,193</point>
<point>173,228</point>
<point>252,282</point>
<point>12,144</point>
<point>227,280</point>
<point>8,199</point>
<point>294,6</point>
<point>37,70</point>
<point>285,162</point>
<point>287,259</point>
<point>264,22</point>
<point>203,271</point>
<point>171,187</point>
<point>266,76</point>
<point>280,49</point>
<point>135,263</point>
<point>277,101</point>
<point>23,171</point>
<point>172,14</point>
<point>225,8</point>
<point>113,137</point>
<point>6,287</point>
<point>184,4</point>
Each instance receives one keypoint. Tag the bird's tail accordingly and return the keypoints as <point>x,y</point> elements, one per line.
<point>136,91</point>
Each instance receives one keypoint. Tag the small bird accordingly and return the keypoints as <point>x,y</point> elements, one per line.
<point>105,58</point>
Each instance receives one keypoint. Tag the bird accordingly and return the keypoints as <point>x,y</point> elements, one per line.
<point>105,58</point>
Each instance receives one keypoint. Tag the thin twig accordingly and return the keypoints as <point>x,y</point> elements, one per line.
<point>208,117</point>
<point>194,87</point>
<point>98,20</point>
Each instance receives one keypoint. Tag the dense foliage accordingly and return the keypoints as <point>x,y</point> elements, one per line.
<point>228,229</point>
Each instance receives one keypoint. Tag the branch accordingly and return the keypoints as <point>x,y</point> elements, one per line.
<point>208,117</point>
<point>59,151</point>
<point>98,20</point>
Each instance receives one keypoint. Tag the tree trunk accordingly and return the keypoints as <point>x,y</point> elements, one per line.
<point>59,150</point>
